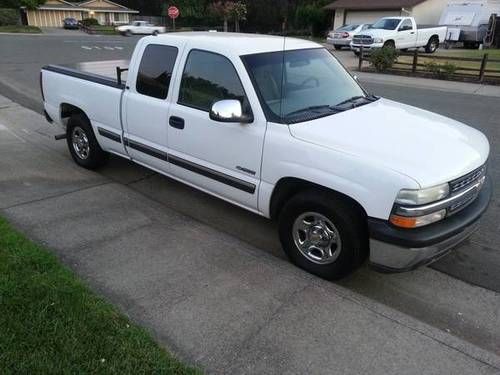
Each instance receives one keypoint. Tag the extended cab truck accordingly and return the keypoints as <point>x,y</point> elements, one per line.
<point>399,33</point>
<point>280,128</point>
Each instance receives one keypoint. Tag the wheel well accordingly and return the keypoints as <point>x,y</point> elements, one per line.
<point>287,187</point>
<point>435,36</point>
<point>68,110</point>
<point>390,41</point>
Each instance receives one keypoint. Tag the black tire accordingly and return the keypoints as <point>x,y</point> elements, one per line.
<point>348,221</point>
<point>128,33</point>
<point>389,44</point>
<point>432,45</point>
<point>155,33</point>
<point>356,53</point>
<point>338,47</point>
<point>79,128</point>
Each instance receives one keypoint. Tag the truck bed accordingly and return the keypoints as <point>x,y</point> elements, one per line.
<point>101,72</point>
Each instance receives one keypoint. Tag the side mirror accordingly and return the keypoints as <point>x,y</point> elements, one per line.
<point>355,77</point>
<point>229,110</point>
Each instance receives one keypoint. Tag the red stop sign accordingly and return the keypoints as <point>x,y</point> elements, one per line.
<point>173,12</point>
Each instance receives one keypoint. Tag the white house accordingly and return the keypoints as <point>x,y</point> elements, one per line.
<point>368,11</point>
<point>52,13</point>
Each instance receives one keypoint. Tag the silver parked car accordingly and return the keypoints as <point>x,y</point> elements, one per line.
<point>342,37</point>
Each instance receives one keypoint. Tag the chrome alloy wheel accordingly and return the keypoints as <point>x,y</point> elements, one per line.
<point>434,45</point>
<point>317,238</point>
<point>80,142</point>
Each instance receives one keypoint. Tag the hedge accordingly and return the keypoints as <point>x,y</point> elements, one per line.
<point>8,17</point>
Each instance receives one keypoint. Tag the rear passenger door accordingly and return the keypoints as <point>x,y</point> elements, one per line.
<point>146,105</point>
<point>222,158</point>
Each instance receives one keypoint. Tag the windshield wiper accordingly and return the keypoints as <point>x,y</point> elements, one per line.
<point>356,101</point>
<point>314,108</point>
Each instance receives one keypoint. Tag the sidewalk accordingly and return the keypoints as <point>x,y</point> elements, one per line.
<point>217,301</point>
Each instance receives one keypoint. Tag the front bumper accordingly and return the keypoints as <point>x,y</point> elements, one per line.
<point>338,42</point>
<point>398,250</point>
<point>366,47</point>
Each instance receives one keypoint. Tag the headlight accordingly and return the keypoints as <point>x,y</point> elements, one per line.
<point>378,40</point>
<point>414,208</point>
<point>423,196</point>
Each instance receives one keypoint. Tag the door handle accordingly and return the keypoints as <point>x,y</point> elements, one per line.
<point>413,32</point>
<point>176,122</point>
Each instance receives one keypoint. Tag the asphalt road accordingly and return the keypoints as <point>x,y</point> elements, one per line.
<point>478,263</point>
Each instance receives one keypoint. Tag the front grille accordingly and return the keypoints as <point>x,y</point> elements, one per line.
<point>467,180</point>
<point>463,183</point>
<point>362,39</point>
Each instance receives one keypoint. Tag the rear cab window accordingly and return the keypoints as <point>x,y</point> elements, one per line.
<point>155,70</point>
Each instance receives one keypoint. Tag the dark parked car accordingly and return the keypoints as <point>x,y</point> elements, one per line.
<point>70,23</point>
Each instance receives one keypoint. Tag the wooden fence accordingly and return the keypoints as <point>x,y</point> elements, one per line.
<point>480,73</point>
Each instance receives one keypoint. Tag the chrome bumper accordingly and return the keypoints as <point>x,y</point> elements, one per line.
<point>392,258</point>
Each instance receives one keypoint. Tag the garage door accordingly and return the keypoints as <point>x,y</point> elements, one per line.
<point>358,17</point>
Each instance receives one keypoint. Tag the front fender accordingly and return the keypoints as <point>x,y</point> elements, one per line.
<point>373,186</point>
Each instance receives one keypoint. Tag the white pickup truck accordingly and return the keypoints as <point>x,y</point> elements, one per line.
<point>141,28</point>
<point>400,33</point>
<point>280,128</point>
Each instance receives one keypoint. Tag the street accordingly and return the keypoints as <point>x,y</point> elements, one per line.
<point>434,296</point>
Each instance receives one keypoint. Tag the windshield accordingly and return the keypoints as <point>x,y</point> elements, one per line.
<point>312,79</point>
<point>347,28</point>
<point>386,24</point>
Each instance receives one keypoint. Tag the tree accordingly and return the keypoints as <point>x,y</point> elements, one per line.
<point>239,13</point>
<point>16,4</point>
<point>222,9</point>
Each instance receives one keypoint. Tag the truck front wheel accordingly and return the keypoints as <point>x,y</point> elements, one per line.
<point>82,143</point>
<point>323,234</point>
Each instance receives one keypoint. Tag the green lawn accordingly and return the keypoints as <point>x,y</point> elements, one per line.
<point>20,29</point>
<point>458,52</point>
<point>51,323</point>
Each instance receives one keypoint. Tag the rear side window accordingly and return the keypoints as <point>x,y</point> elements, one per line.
<point>208,78</point>
<point>155,71</point>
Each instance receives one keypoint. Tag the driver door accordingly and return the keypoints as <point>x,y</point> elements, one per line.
<point>407,36</point>
<point>218,157</point>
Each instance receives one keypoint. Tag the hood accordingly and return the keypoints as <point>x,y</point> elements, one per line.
<point>429,148</point>
<point>375,33</point>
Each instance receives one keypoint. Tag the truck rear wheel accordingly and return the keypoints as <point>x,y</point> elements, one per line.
<point>432,45</point>
<point>82,143</point>
<point>323,234</point>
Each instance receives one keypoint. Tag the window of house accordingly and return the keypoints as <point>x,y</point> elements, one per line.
<point>155,71</point>
<point>209,77</point>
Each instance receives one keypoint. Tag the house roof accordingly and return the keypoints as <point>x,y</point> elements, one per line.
<point>373,4</point>
<point>87,6</point>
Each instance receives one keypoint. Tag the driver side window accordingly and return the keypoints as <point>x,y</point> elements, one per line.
<point>209,77</point>
<point>406,25</point>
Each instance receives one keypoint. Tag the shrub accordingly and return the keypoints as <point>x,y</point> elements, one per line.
<point>89,22</point>
<point>383,58</point>
<point>9,17</point>
<point>440,70</point>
